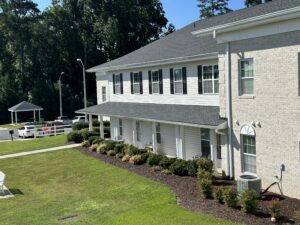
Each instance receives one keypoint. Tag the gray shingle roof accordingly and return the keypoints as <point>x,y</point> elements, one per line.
<point>186,114</point>
<point>183,44</point>
<point>24,106</point>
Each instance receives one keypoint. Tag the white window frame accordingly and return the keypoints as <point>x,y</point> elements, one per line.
<point>138,131</point>
<point>155,82</point>
<point>213,79</point>
<point>117,84</point>
<point>104,97</point>
<point>245,78</point>
<point>120,127</point>
<point>136,85</point>
<point>178,81</point>
<point>158,133</point>
<point>248,154</point>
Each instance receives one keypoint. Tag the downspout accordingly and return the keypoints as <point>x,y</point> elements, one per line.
<point>230,153</point>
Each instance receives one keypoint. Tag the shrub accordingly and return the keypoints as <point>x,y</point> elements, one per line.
<point>230,197</point>
<point>166,172</point>
<point>98,141</point>
<point>144,157</point>
<point>111,153</point>
<point>102,149</point>
<point>126,158</point>
<point>85,144</point>
<point>119,148</point>
<point>274,209</point>
<point>119,155</point>
<point>106,123</point>
<point>192,168</point>
<point>206,187</point>
<point>75,136</point>
<point>96,123</point>
<point>203,174</point>
<point>94,147</point>
<point>154,159</point>
<point>248,201</point>
<point>180,168</point>
<point>166,162</point>
<point>80,125</point>
<point>110,145</point>
<point>132,150</point>
<point>205,164</point>
<point>218,194</point>
<point>92,139</point>
<point>135,160</point>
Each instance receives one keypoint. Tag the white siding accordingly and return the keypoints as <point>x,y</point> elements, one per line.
<point>192,97</point>
<point>168,139</point>
<point>102,81</point>
<point>127,131</point>
<point>192,142</point>
<point>146,133</point>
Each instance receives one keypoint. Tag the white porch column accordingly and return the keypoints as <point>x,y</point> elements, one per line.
<point>179,141</point>
<point>12,117</point>
<point>34,120</point>
<point>90,122</point>
<point>101,126</point>
<point>134,132</point>
<point>16,117</point>
<point>213,146</point>
<point>39,116</point>
<point>154,139</point>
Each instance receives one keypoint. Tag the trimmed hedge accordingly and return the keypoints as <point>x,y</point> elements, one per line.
<point>75,136</point>
<point>180,168</point>
<point>154,159</point>
<point>166,162</point>
<point>80,126</point>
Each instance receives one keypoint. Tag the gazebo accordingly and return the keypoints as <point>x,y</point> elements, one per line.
<point>24,107</point>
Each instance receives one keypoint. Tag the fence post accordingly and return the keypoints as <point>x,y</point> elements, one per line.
<point>54,130</point>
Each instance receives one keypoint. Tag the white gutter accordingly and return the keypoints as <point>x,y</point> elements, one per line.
<point>250,22</point>
<point>207,56</point>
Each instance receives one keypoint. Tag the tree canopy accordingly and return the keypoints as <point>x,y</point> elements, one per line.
<point>209,8</point>
<point>249,3</point>
<point>35,47</point>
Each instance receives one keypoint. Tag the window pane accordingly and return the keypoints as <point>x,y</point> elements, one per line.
<point>216,72</point>
<point>249,145</point>
<point>207,86</point>
<point>216,83</point>
<point>178,87</point>
<point>250,163</point>
<point>117,79</point>
<point>205,149</point>
<point>138,131</point>
<point>136,78</point>
<point>177,74</point>
<point>247,68</point>
<point>155,77</point>
<point>118,89</point>
<point>155,87</point>
<point>207,72</point>
<point>247,86</point>
<point>136,88</point>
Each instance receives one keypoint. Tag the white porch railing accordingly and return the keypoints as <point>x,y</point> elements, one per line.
<point>52,131</point>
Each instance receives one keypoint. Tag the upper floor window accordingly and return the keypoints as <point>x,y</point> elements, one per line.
<point>178,81</point>
<point>103,94</point>
<point>208,79</point>
<point>155,82</point>
<point>246,77</point>
<point>136,83</point>
<point>118,83</point>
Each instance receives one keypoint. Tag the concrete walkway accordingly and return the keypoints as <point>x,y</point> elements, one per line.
<point>38,151</point>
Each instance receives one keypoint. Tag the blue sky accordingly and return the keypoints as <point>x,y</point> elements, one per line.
<point>178,12</point>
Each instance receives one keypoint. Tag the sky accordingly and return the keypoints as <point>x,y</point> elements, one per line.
<point>178,12</point>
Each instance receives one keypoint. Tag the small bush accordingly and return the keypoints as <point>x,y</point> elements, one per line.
<point>154,159</point>
<point>192,168</point>
<point>126,158</point>
<point>156,168</point>
<point>166,172</point>
<point>274,208</point>
<point>92,139</point>
<point>230,197</point>
<point>203,174</point>
<point>144,157</point>
<point>248,201</point>
<point>206,187</point>
<point>94,147</point>
<point>180,168</point>
<point>75,136</point>
<point>119,155</point>
<point>119,148</point>
<point>102,149</point>
<point>135,160</point>
<point>85,144</point>
<point>218,194</point>
<point>111,153</point>
<point>166,162</point>
<point>80,125</point>
<point>132,150</point>
<point>110,145</point>
<point>205,164</point>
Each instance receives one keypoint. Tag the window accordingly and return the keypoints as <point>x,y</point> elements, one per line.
<point>155,82</point>
<point>136,83</point>
<point>178,87</point>
<point>117,84</point>
<point>158,134</point>
<point>103,94</point>
<point>205,143</point>
<point>219,147</point>
<point>138,131</point>
<point>249,153</point>
<point>246,77</point>
<point>120,127</point>
<point>210,76</point>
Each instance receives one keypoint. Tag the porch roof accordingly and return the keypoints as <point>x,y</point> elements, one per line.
<point>192,115</point>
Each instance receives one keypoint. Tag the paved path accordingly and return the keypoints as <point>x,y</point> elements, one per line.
<point>38,151</point>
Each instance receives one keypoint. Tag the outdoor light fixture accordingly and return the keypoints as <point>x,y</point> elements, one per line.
<point>60,95</point>
<point>84,84</point>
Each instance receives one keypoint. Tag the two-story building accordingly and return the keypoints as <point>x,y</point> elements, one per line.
<point>227,88</point>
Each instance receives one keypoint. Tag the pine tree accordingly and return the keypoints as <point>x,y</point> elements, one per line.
<point>250,3</point>
<point>209,8</point>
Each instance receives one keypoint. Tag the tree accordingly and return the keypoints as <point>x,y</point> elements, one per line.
<point>250,3</point>
<point>210,8</point>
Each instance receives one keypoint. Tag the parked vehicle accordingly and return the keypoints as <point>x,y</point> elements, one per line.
<point>78,119</point>
<point>27,131</point>
<point>63,119</point>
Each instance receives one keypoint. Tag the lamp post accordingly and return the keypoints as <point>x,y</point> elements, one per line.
<point>60,95</point>
<point>84,85</point>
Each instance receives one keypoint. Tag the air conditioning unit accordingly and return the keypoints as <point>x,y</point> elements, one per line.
<point>249,182</point>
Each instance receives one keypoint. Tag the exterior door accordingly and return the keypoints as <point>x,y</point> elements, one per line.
<point>205,143</point>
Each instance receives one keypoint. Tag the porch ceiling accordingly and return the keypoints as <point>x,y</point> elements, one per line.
<point>194,115</point>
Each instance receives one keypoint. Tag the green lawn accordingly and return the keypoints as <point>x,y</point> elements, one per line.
<point>29,145</point>
<point>9,126</point>
<point>68,183</point>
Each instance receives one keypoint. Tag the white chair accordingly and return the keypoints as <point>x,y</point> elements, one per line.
<point>2,180</point>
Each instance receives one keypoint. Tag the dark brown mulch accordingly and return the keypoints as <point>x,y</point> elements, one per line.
<point>189,197</point>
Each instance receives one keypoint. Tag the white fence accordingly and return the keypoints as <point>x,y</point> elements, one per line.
<point>52,131</point>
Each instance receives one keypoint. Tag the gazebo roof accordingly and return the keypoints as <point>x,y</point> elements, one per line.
<point>24,106</point>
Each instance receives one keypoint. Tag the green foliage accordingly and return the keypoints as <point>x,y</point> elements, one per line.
<point>248,201</point>
<point>132,150</point>
<point>75,136</point>
<point>192,168</point>
<point>86,134</point>
<point>250,3</point>
<point>80,126</point>
<point>119,148</point>
<point>154,159</point>
<point>210,8</point>
<point>205,164</point>
<point>144,157</point>
<point>111,153</point>
<point>102,148</point>
<point>110,145</point>
<point>94,140</point>
<point>218,194</point>
<point>166,162</point>
<point>230,197</point>
<point>203,174</point>
<point>136,160</point>
<point>180,168</point>
<point>85,144</point>
<point>274,208</point>
<point>206,187</point>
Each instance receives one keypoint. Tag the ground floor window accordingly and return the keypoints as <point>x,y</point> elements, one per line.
<point>205,143</point>
<point>249,153</point>
<point>138,131</point>
<point>120,127</point>
<point>219,147</point>
<point>158,134</point>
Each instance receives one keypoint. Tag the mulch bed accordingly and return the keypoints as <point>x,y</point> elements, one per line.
<point>189,197</point>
